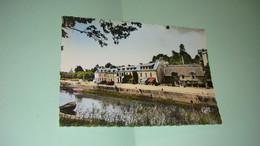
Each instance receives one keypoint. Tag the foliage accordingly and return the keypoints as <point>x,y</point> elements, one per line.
<point>170,80</point>
<point>203,121</point>
<point>79,74</point>
<point>207,76</point>
<point>109,65</point>
<point>143,98</point>
<point>99,33</point>
<point>195,84</point>
<point>81,122</point>
<point>207,71</point>
<point>127,78</point>
<point>157,57</point>
<point>176,58</point>
<point>134,77</point>
<point>182,48</point>
<point>196,59</point>
<point>78,68</point>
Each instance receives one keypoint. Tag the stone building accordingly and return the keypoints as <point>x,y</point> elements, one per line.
<point>203,56</point>
<point>186,73</point>
<point>153,71</point>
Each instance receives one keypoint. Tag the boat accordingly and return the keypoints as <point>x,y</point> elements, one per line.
<point>68,108</point>
<point>77,90</point>
<point>64,87</point>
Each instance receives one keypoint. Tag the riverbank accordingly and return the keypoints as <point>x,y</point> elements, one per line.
<point>187,96</point>
<point>144,98</point>
<point>98,108</point>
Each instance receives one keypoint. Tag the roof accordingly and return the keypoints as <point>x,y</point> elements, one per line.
<point>128,68</point>
<point>150,79</point>
<point>185,70</point>
<point>144,79</point>
<point>154,65</point>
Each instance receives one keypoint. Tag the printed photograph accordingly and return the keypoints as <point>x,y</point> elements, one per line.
<point>121,73</point>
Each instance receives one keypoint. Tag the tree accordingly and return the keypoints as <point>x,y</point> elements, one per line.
<point>175,59</point>
<point>88,75</point>
<point>187,58</point>
<point>134,77</point>
<point>109,65</point>
<point>127,78</point>
<point>78,68</point>
<point>182,48</point>
<point>196,59</point>
<point>99,33</point>
<point>157,57</point>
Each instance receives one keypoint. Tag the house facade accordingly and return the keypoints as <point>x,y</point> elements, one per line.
<point>186,73</point>
<point>156,71</point>
<point>144,71</point>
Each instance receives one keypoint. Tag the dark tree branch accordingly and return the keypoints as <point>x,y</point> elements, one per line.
<point>118,32</point>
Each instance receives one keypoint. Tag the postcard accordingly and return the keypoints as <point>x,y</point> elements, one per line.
<point>120,73</point>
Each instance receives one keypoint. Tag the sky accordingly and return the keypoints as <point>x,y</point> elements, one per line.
<point>139,47</point>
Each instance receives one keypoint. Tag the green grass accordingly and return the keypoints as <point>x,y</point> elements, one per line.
<point>89,123</point>
<point>144,98</point>
<point>139,111</point>
<point>75,79</point>
<point>216,116</point>
<point>203,121</point>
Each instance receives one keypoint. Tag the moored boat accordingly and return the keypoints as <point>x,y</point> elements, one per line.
<point>64,87</point>
<point>77,90</point>
<point>68,108</point>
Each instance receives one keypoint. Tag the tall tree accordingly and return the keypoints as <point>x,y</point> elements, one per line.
<point>162,56</point>
<point>99,33</point>
<point>196,59</point>
<point>78,68</point>
<point>182,48</point>
<point>109,65</point>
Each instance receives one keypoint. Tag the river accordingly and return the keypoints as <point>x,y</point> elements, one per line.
<point>131,112</point>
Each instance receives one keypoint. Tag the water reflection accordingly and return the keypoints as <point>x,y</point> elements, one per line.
<point>131,112</point>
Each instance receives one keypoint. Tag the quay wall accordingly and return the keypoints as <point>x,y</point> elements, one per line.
<point>160,94</point>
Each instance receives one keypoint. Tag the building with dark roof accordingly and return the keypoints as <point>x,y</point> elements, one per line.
<point>149,70</point>
<point>185,73</point>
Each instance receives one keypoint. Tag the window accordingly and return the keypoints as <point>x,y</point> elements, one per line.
<point>140,74</point>
<point>145,74</point>
<point>151,75</point>
<point>182,76</point>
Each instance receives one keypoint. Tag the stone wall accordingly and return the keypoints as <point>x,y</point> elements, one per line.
<point>160,94</point>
